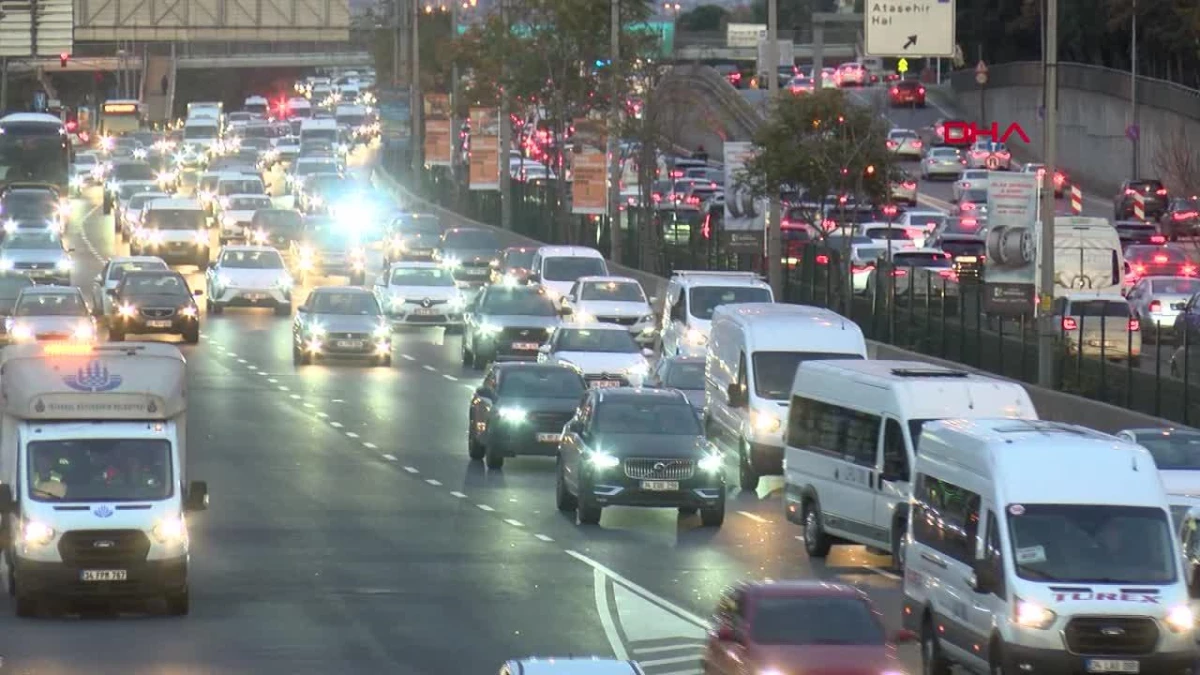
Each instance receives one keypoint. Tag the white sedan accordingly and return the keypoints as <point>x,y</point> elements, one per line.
<point>249,276</point>
<point>421,294</point>
<point>112,274</point>
<point>604,353</point>
<point>237,211</point>
<point>616,300</point>
<point>972,179</point>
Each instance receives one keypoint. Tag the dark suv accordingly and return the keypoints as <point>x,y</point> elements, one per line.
<point>1154,199</point>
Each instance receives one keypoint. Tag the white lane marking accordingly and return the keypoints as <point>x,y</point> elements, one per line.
<point>675,659</point>
<point>485,507</point>
<point>657,650</point>
<point>543,537</point>
<point>351,434</point>
<point>600,588</point>
<point>242,361</point>
<point>434,482</point>
<point>252,367</point>
<point>640,590</point>
<point>406,357</point>
<point>429,368</point>
<point>458,494</point>
<point>369,445</point>
<point>231,355</point>
<point>514,523</point>
<point>751,516</point>
<point>800,537</point>
<point>309,405</point>
<point>336,425</point>
<point>295,397</point>
<point>390,458</point>
<point>471,387</point>
<point>283,388</point>
<point>884,573</point>
<point>411,469</point>
<point>450,377</point>
<point>322,415</point>
<point>338,400</point>
<point>272,380</point>
<point>264,373</point>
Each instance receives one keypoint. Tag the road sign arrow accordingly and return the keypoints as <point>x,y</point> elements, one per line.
<point>912,41</point>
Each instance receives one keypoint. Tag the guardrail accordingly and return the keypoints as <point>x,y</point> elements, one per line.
<point>709,84</point>
<point>835,33</point>
<point>1152,92</point>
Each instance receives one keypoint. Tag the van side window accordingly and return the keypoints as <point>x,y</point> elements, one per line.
<point>946,518</point>
<point>895,455</point>
<point>833,430</point>
<point>993,553</point>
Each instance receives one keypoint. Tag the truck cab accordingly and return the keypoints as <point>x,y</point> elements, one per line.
<point>94,490</point>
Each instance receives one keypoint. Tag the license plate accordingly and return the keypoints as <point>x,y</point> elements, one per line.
<point>1112,666</point>
<point>158,324</point>
<point>477,272</point>
<point>605,384</point>
<point>122,575</point>
<point>350,344</point>
<point>255,297</point>
<point>673,485</point>
<point>966,259</point>
<point>526,346</point>
<point>549,438</point>
<point>425,311</point>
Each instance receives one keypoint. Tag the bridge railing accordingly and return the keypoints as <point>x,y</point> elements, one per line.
<point>1152,92</point>
<point>834,34</point>
<point>230,48</point>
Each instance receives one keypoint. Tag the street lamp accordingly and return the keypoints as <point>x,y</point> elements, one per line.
<point>672,8</point>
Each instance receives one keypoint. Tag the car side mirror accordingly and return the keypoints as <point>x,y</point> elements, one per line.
<point>904,637</point>
<point>111,292</point>
<point>197,293</point>
<point>483,392</point>
<point>734,393</point>
<point>196,498</point>
<point>727,634</point>
<point>565,310</point>
<point>8,503</point>
<point>544,349</point>
<point>99,279</point>
<point>647,352</point>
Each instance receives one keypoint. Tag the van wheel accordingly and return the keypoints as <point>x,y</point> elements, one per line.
<point>714,517</point>
<point>563,499</point>
<point>996,667</point>
<point>816,542</point>
<point>494,460</point>
<point>26,605</point>
<point>747,476</point>
<point>932,660</point>
<point>178,604</point>
<point>898,548</point>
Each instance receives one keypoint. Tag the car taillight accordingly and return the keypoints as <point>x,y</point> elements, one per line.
<point>948,274</point>
<point>1003,153</point>
<point>1069,323</point>
<point>829,224</point>
<point>1059,178</point>
<point>968,222</point>
<point>1155,306</point>
<point>822,259</point>
<point>1139,269</point>
<point>1131,192</point>
<point>909,185</point>
<point>891,144</point>
<point>916,144</point>
<point>967,206</point>
<point>921,91</point>
<point>859,269</point>
<point>895,90</point>
<point>1161,192</point>
<point>1187,271</point>
<point>1134,325</point>
<point>1158,239</point>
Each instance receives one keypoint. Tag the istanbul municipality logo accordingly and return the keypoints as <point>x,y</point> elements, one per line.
<point>94,377</point>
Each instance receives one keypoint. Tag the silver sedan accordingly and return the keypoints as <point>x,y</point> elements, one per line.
<point>1156,301</point>
<point>942,163</point>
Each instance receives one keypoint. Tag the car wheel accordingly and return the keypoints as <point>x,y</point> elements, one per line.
<point>283,310</point>
<point>714,517</point>
<point>216,308</point>
<point>563,499</point>
<point>493,459</point>
<point>464,355</point>
<point>192,336</point>
<point>747,476</point>
<point>898,547</point>
<point>296,355</point>
<point>178,604</point>
<point>816,542</point>
<point>478,362</point>
<point>586,511</point>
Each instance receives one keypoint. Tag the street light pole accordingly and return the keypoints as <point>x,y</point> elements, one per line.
<point>456,157</point>
<point>774,231</point>
<point>505,134</point>
<point>1134,135</point>
<point>1047,343</point>
<point>417,107</point>
<point>614,146</point>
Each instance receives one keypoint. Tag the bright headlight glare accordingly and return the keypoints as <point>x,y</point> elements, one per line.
<point>21,332</point>
<point>451,263</point>
<point>188,311</point>
<point>512,415</point>
<point>510,280</point>
<point>1181,619</point>
<point>712,462</point>
<point>170,531</point>
<point>6,264</point>
<point>638,369</point>
<point>697,338</point>
<point>584,317</point>
<point>1033,615</point>
<point>306,252</point>
<point>127,310</point>
<point>65,264</point>
<point>381,332</point>
<point>200,237</point>
<point>155,236</point>
<point>316,330</point>
<point>603,460</point>
<point>765,422</point>
<point>34,533</point>
<point>285,281</point>
<point>84,331</point>
<point>458,302</point>
<point>490,329</point>
<point>10,226</point>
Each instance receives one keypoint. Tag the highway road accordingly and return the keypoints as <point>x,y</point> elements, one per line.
<point>348,532</point>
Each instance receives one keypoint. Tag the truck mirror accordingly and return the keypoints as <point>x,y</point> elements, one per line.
<point>7,502</point>
<point>195,500</point>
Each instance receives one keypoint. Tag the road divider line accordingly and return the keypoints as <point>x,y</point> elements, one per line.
<point>429,368</point>
<point>434,482</point>
<point>336,425</point>
<point>252,367</point>
<point>322,415</point>
<point>660,650</point>
<point>485,507</point>
<point>754,517</point>
<point>272,380</point>
<point>309,405</point>
<point>390,458</point>
<point>514,522</point>
<point>411,469</point>
<point>406,357</point>
<point>458,494</point>
<point>450,377</point>
<point>295,397</point>
<point>337,400</point>
<point>283,388</point>
<point>369,445</point>
<point>606,611</point>
<point>694,658</point>
<point>242,361</point>
<point>647,595</point>
<point>231,355</point>
<point>351,434</point>
<point>542,537</point>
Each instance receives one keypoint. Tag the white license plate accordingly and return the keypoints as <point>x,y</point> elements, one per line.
<point>158,324</point>
<point>255,297</point>
<point>425,311</point>
<point>662,486</point>
<point>1112,666</point>
<point>122,575</point>
<point>605,384</point>
<point>549,438</point>
<point>477,272</point>
<point>525,346</point>
<point>350,344</point>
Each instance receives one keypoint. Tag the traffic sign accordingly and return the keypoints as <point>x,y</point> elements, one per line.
<point>992,162</point>
<point>1133,132</point>
<point>1076,201</point>
<point>923,28</point>
<point>981,73</point>
<point>902,66</point>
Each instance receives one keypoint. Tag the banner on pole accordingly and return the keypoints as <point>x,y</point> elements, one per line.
<point>439,143</point>
<point>484,150</point>
<point>743,211</point>
<point>589,167</point>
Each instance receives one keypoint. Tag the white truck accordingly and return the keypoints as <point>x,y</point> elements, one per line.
<point>213,110</point>
<point>93,485</point>
<point>1087,253</point>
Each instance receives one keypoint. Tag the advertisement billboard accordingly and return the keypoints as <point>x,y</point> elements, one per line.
<point>1010,267</point>
<point>589,167</point>
<point>439,143</point>
<point>743,211</point>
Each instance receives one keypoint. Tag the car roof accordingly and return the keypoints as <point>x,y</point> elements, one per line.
<point>593,325</point>
<point>801,588</point>
<point>414,265</point>
<point>247,248</point>
<point>46,289</point>
<point>326,290</point>
<point>136,258</point>
<point>634,393</point>
<point>178,203</point>
<point>606,279</point>
<point>248,195</point>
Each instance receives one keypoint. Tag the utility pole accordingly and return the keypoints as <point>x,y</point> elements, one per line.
<point>1134,132</point>
<point>614,138</point>
<point>397,26</point>
<point>774,231</point>
<point>418,101</point>
<point>1047,338</point>
<point>456,165</point>
<point>505,134</point>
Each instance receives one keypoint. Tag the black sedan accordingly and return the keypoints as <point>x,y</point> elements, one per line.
<point>507,324</point>
<point>154,302</point>
<point>469,253</point>
<point>341,322</point>
<point>279,228</point>
<point>638,447</point>
<point>413,236</point>
<point>520,409</point>
<point>1182,219</point>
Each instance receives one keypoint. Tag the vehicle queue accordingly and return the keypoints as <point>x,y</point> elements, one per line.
<point>639,401</point>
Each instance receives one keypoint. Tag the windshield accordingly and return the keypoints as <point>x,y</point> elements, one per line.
<point>470,240</point>
<point>309,168</point>
<point>175,219</point>
<point>10,288</point>
<point>706,299</point>
<point>570,268</point>
<point>815,620</point>
<point>252,260</point>
<point>51,304</point>
<point>647,417</point>
<point>128,190</point>
<point>155,284</point>
<point>31,242</point>
<point>194,132</point>
<point>100,470</point>
<point>133,171</point>
<point>421,276</point>
<point>516,302</point>
<point>888,233</point>
<point>1091,543</point>
<point>1175,286</point>
<point>351,120</point>
<point>936,260</point>
<point>974,196</point>
<point>139,200</point>
<point>249,203</point>
<point>119,269</point>
<point>587,340</point>
<point>342,303</point>
<point>774,371</point>
<point>279,220</point>
<point>240,187</point>
<point>1173,450</point>
<point>85,160</point>
<point>518,259</point>
<point>612,291</point>
<point>33,154</point>
<point>686,376</point>
<point>542,383</point>
<point>29,204</point>
<point>928,222</point>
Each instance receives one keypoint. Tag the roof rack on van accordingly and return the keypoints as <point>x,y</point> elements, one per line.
<point>1046,426</point>
<point>727,275</point>
<point>929,372</point>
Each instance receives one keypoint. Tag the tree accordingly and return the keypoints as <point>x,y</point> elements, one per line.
<point>1177,161</point>
<point>705,19</point>
<point>436,50</point>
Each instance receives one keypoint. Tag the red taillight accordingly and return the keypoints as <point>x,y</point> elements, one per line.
<point>1069,323</point>
<point>891,144</point>
<point>859,269</point>
<point>1158,239</point>
<point>1184,215</point>
<point>968,222</point>
<point>1139,269</point>
<point>1187,271</point>
<point>909,185</point>
<point>967,185</point>
<point>822,259</point>
<point>1161,192</point>
<point>968,206</point>
<point>1155,306</point>
<point>895,90</point>
<point>899,273</point>
<point>921,91</point>
<point>676,174</point>
<point>1131,192</point>
<point>1161,259</point>
<point>947,274</point>
<point>829,224</point>
<point>1059,178</point>
<point>1134,325</point>
<point>1003,153</point>
<point>916,144</point>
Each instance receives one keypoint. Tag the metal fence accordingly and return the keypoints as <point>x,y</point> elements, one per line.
<point>1152,92</point>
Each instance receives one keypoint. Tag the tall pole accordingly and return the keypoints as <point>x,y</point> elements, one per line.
<point>505,134</point>
<point>614,146</point>
<point>1134,132</point>
<point>418,101</point>
<point>3,83</point>
<point>455,123</point>
<point>774,231</point>
<point>397,24</point>
<point>1047,337</point>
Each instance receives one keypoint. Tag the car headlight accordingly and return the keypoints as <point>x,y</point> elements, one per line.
<point>84,331</point>
<point>139,154</point>
<point>649,318</point>
<point>170,531</point>
<point>696,338</point>
<point>165,177</point>
<point>551,293</point>
<point>381,332</point>
<point>285,281</point>
<point>10,226</point>
<point>6,264</point>
<point>259,236</point>
<point>154,236</point>
<point>65,265</point>
<point>510,280</point>
<point>358,253</point>
<point>127,310</point>
<point>224,281</point>
<point>490,329</point>
<point>512,415</point>
<point>765,422</point>
<point>1181,619</point>
<point>458,303</point>
<point>188,311</point>
<point>224,202</point>
<point>200,237</point>
<point>316,331</point>
<point>602,460</point>
<point>21,332</point>
<point>1033,615</point>
<point>584,317</point>
<point>34,533</point>
<point>712,462</point>
<point>76,181</point>
<point>451,263</point>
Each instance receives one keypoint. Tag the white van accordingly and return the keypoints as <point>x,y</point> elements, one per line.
<point>201,135</point>
<point>324,130</point>
<point>1039,547</point>
<point>853,428</point>
<point>256,105</point>
<point>557,268</point>
<point>691,299</point>
<point>752,358</point>
<point>1176,453</point>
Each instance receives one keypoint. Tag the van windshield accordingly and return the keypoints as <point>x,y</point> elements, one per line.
<point>1092,544</point>
<point>775,371</point>
<point>99,470</point>
<point>705,300</point>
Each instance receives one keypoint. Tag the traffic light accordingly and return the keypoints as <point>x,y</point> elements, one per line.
<point>63,58</point>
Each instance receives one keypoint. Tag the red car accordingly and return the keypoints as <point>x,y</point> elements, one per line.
<point>799,627</point>
<point>907,92</point>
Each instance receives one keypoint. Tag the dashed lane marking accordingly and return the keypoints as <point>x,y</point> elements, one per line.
<point>754,517</point>
<point>429,368</point>
<point>485,507</point>
<point>514,522</point>
<point>351,434</point>
<point>434,482</point>
<point>406,357</point>
<point>273,380</point>
<point>369,445</point>
<point>295,397</point>
<point>251,367</point>
<point>322,415</point>
<point>390,458</point>
<point>544,538</point>
<point>336,425</point>
<point>310,405</point>
<point>450,377</point>
<point>283,388</point>
<point>458,494</point>
<point>883,573</point>
<point>338,400</point>
<point>411,469</point>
